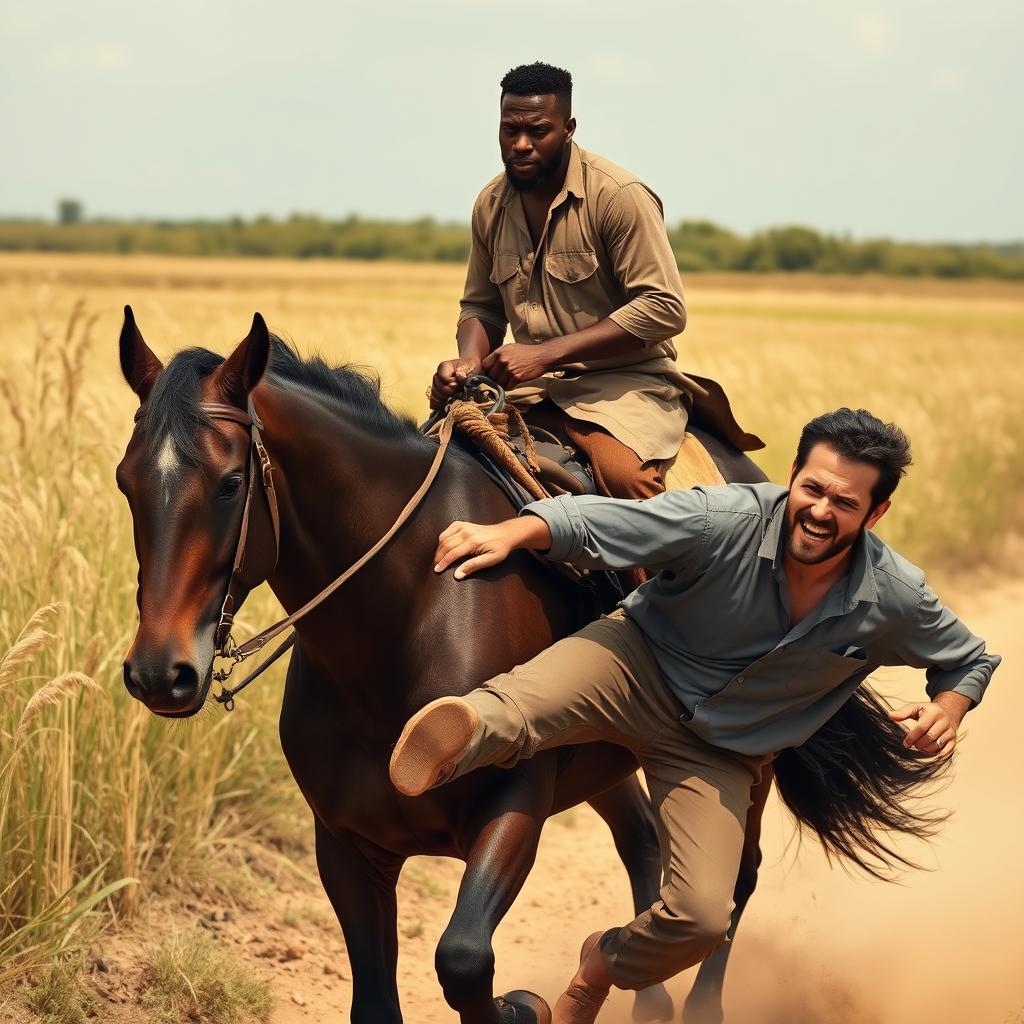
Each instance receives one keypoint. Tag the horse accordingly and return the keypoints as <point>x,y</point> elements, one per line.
<point>395,637</point>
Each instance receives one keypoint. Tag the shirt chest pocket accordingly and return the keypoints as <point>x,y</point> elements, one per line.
<point>571,267</point>
<point>824,670</point>
<point>574,286</point>
<point>504,267</point>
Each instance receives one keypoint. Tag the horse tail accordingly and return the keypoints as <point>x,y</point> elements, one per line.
<point>856,787</point>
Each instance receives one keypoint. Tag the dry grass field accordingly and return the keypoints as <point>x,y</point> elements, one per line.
<point>105,809</point>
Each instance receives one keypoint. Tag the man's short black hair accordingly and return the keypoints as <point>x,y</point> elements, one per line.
<point>539,79</point>
<point>856,434</point>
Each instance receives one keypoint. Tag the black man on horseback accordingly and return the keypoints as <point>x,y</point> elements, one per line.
<point>571,251</point>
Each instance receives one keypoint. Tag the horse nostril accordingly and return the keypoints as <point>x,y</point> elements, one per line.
<point>186,683</point>
<point>131,684</point>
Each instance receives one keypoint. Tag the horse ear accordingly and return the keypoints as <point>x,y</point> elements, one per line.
<point>243,369</point>
<point>138,363</point>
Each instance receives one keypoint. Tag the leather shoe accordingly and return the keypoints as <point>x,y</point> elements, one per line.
<point>581,1002</point>
<point>431,744</point>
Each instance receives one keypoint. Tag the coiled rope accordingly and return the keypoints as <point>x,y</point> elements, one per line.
<point>491,435</point>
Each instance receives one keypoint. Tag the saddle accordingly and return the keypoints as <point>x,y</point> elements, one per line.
<point>562,468</point>
<point>526,465</point>
<point>529,463</point>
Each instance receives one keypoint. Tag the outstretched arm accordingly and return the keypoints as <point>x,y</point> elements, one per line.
<point>668,530</point>
<point>958,667</point>
<point>484,546</point>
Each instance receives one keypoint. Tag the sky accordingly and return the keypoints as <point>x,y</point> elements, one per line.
<point>899,118</point>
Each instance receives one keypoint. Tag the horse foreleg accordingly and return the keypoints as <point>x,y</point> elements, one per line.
<point>502,848</point>
<point>626,809</point>
<point>360,883</point>
<point>704,1003</point>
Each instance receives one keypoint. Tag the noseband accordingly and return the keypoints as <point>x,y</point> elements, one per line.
<point>259,541</point>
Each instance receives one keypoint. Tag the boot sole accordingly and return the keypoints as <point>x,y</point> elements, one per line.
<point>432,740</point>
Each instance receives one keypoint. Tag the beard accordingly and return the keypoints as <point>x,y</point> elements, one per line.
<point>812,553</point>
<point>541,175</point>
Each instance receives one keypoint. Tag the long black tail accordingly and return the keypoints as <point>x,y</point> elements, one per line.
<point>856,786</point>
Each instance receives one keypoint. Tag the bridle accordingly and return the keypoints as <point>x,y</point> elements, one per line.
<point>259,541</point>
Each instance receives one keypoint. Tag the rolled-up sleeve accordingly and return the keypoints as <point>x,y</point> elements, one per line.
<point>481,297</point>
<point>953,657</point>
<point>667,531</point>
<point>633,230</point>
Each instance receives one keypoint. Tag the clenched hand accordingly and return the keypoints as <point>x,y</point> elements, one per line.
<point>935,724</point>
<point>450,376</point>
<point>514,364</point>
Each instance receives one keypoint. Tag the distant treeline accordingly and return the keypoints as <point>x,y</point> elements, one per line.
<point>698,245</point>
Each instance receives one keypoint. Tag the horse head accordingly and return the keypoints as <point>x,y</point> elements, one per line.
<point>185,475</point>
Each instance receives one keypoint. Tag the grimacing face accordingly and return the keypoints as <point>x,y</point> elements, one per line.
<point>829,505</point>
<point>533,135</point>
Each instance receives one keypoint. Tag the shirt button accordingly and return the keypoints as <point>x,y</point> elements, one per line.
<point>533,305</point>
<point>739,679</point>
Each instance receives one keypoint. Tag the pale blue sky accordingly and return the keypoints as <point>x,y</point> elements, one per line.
<point>900,118</point>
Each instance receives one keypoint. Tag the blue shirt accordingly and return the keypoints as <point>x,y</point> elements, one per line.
<point>716,614</point>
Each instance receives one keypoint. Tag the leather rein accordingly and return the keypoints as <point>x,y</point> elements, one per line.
<point>259,543</point>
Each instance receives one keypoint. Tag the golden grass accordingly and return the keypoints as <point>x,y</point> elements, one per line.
<point>192,977</point>
<point>94,790</point>
<point>56,997</point>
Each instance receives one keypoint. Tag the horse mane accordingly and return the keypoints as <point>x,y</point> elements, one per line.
<point>173,412</point>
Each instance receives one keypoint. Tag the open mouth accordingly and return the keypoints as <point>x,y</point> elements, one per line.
<point>815,533</point>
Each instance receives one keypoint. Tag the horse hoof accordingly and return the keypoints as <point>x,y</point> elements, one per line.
<point>700,1009</point>
<point>653,1004</point>
<point>526,1008</point>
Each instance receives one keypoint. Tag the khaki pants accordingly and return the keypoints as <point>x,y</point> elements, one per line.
<point>602,683</point>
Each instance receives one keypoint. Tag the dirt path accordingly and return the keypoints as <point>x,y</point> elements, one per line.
<point>816,947</point>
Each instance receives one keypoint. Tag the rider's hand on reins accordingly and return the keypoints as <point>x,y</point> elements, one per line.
<point>450,376</point>
<point>510,365</point>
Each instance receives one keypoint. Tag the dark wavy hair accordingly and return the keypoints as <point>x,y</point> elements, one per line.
<point>856,434</point>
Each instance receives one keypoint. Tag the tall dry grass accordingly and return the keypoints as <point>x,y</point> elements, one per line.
<point>94,791</point>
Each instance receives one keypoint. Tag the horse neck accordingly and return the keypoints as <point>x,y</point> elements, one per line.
<point>340,486</point>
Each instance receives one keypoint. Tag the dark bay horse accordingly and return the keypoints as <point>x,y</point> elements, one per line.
<point>393,638</point>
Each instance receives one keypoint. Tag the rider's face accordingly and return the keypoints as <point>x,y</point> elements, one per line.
<point>829,505</point>
<point>534,134</point>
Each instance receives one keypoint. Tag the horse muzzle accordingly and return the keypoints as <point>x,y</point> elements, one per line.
<point>171,686</point>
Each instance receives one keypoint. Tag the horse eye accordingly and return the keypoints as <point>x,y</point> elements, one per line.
<point>229,488</point>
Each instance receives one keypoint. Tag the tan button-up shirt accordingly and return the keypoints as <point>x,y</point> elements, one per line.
<point>603,253</point>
